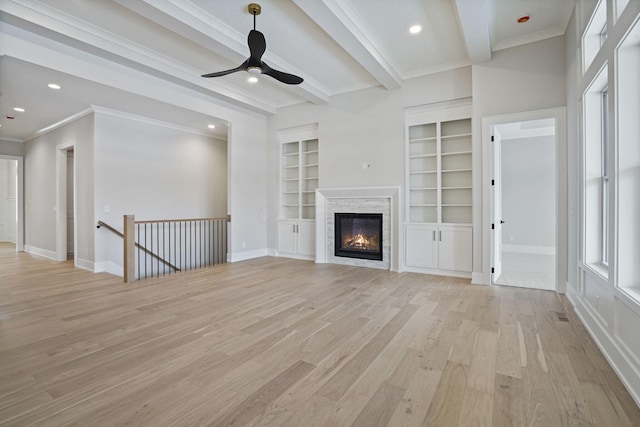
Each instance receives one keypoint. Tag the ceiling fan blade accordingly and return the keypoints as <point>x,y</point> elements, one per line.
<point>257,45</point>
<point>242,67</point>
<point>287,78</point>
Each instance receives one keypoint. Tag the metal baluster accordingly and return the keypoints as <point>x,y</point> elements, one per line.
<point>145,255</point>
<point>138,233</point>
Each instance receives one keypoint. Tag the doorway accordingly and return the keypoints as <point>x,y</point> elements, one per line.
<point>526,199</point>
<point>11,202</point>
<point>524,204</point>
<point>65,203</point>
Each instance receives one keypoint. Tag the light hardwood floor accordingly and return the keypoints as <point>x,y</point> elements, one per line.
<point>279,342</point>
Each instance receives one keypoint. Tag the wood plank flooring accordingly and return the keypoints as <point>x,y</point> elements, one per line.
<point>280,342</point>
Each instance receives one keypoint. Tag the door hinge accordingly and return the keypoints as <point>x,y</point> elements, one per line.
<point>493,270</point>
<point>493,138</point>
<point>493,226</point>
<point>493,182</point>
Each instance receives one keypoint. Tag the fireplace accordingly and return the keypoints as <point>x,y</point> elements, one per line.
<point>358,235</point>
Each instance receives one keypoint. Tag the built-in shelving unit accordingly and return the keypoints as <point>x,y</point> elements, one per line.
<point>438,187</point>
<point>439,176</point>
<point>299,179</point>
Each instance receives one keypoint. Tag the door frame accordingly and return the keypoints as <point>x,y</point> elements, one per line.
<point>496,200</point>
<point>488,122</point>
<point>61,203</point>
<point>19,201</point>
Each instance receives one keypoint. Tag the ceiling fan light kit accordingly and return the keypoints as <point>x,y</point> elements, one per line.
<point>257,47</point>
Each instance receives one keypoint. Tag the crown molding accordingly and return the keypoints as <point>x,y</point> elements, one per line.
<point>527,38</point>
<point>121,114</point>
<point>149,121</point>
<point>59,124</point>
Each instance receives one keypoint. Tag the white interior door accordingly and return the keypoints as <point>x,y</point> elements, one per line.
<point>496,206</point>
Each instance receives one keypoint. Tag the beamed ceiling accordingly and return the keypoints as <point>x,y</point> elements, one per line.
<point>145,57</point>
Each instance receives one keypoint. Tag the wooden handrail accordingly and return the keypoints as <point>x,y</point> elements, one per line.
<point>154,221</point>
<point>142,248</point>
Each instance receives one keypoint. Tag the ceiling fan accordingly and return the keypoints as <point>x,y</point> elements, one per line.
<point>257,47</point>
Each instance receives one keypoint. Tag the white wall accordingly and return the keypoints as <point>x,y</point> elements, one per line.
<point>40,188</point>
<point>11,148</point>
<point>529,192</point>
<point>365,125</point>
<point>610,316</point>
<point>152,172</point>
<point>524,78</point>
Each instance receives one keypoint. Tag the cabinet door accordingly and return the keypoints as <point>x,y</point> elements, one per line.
<point>421,246</point>
<point>307,238</point>
<point>287,237</point>
<point>454,249</point>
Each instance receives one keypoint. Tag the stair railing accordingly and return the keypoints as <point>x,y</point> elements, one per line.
<point>159,247</point>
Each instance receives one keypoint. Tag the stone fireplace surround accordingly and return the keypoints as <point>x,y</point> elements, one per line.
<point>358,200</point>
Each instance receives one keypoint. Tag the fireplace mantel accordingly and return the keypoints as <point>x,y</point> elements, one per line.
<point>328,197</point>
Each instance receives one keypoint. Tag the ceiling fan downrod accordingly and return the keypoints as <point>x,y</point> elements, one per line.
<point>254,9</point>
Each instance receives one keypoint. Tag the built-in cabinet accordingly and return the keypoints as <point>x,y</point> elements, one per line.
<point>438,233</point>
<point>299,180</point>
<point>297,238</point>
<point>438,247</point>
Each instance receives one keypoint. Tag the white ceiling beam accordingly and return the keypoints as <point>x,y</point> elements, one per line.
<point>474,22</point>
<point>343,27</point>
<point>199,26</point>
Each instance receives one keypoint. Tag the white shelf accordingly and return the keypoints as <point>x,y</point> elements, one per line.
<point>456,153</point>
<point>458,135</point>
<point>456,170</point>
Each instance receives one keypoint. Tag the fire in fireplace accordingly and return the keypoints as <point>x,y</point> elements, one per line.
<point>358,235</point>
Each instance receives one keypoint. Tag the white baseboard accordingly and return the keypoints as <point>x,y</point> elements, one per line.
<point>85,264</point>
<point>436,272</point>
<point>242,256</point>
<point>627,373</point>
<point>272,252</point>
<point>525,249</point>
<point>478,279</point>
<point>296,256</point>
<point>109,267</point>
<point>52,255</point>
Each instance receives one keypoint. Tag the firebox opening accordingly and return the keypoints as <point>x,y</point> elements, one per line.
<point>358,235</point>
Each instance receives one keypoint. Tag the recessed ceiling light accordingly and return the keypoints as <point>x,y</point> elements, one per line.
<point>18,109</point>
<point>523,19</point>
<point>54,86</point>
<point>211,126</point>
<point>415,29</point>
<point>252,79</point>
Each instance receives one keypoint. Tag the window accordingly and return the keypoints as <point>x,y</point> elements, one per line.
<point>604,184</point>
<point>594,34</point>
<point>596,187</point>
<point>627,165</point>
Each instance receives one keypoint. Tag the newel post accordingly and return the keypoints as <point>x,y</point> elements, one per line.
<point>129,239</point>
